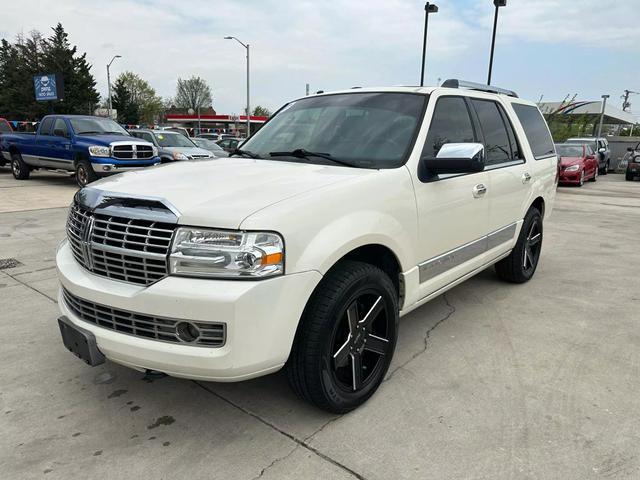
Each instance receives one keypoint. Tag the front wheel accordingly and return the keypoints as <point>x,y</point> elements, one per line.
<point>595,175</point>
<point>628,177</point>
<point>581,182</point>
<point>346,338</point>
<point>605,170</point>
<point>19,169</point>
<point>84,173</point>
<point>522,262</point>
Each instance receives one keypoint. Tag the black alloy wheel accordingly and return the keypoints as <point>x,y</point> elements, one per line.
<point>346,337</point>
<point>520,265</point>
<point>532,248</point>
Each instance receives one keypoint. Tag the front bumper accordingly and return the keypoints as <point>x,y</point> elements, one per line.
<point>570,177</point>
<point>105,165</point>
<point>261,319</point>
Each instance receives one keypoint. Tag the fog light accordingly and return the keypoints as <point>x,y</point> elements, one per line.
<point>106,168</point>
<point>187,332</point>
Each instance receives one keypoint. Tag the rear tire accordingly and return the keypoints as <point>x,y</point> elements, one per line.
<point>341,354</point>
<point>628,177</point>
<point>20,170</point>
<point>522,262</point>
<point>606,169</point>
<point>84,173</point>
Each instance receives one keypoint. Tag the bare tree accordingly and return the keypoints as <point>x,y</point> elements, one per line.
<point>192,93</point>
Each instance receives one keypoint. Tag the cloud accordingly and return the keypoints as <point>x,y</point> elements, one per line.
<point>336,44</point>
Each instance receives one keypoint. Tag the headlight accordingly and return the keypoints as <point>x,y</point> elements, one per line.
<point>572,168</point>
<point>179,156</point>
<point>199,252</point>
<point>154,150</point>
<point>99,151</point>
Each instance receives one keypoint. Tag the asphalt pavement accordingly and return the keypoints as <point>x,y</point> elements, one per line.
<point>489,381</point>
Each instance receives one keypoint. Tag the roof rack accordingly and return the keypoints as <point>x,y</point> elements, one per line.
<point>455,83</point>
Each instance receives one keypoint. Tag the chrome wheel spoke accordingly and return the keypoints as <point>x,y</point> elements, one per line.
<point>352,317</point>
<point>376,344</point>
<point>373,312</point>
<point>356,370</point>
<point>341,357</point>
<point>535,239</point>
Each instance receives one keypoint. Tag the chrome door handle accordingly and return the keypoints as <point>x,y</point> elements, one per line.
<point>479,190</point>
<point>526,177</point>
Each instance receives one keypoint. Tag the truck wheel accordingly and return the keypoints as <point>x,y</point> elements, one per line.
<point>84,173</point>
<point>521,263</point>
<point>346,338</point>
<point>19,169</point>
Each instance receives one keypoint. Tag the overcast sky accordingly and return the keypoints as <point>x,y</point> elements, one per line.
<point>544,47</point>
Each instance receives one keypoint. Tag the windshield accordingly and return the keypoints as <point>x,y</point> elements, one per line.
<point>208,144</point>
<point>171,139</point>
<point>370,130</point>
<point>96,126</point>
<point>569,150</point>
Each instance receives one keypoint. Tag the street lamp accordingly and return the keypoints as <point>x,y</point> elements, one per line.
<point>428,8</point>
<point>604,104</point>
<point>498,4</point>
<point>246,46</point>
<point>109,81</point>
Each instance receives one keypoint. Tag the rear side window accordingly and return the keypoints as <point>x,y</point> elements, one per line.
<point>450,124</point>
<point>496,140</point>
<point>535,128</point>
<point>4,127</point>
<point>60,128</point>
<point>45,127</point>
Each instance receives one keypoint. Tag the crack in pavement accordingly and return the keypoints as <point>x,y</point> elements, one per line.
<point>30,287</point>
<point>302,443</point>
<point>277,460</point>
<point>451,311</point>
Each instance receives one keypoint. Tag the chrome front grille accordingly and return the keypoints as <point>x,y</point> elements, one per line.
<point>133,151</point>
<point>147,326</point>
<point>120,248</point>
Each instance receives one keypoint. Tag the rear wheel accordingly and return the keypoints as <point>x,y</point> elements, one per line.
<point>19,169</point>
<point>522,262</point>
<point>346,338</point>
<point>84,173</point>
<point>605,170</point>
<point>628,177</point>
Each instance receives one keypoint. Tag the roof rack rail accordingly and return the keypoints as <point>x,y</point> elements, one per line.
<point>455,83</point>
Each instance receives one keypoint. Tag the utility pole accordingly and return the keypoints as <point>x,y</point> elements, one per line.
<point>498,4</point>
<point>604,104</point>
<point>307,90</point>
<point>109,83</point>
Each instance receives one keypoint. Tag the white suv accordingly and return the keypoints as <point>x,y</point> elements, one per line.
<point>346,211</point>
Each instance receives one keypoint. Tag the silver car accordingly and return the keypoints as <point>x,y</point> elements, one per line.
<point>210,145</point>
<point>173,146</point>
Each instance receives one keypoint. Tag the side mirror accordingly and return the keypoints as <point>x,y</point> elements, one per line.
<point>453,158</point>
<point>602,150</point>
<point>630,149</point>
<point>58,132</point>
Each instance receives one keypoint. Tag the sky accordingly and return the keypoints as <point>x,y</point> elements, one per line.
<point>549,48</point>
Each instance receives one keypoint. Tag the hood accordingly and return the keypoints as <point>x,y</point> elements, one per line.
<point>223,192</point>
<point>566,161</point>
<point>106,140</point>
<point>186,150</point>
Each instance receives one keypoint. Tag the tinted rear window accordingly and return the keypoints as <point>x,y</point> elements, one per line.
<point>45,128</point>
<point>535,128</point>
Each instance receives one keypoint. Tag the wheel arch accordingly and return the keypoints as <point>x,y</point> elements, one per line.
<point>538,203</point>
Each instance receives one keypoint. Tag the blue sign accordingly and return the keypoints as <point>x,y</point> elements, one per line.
<point>47,87</point>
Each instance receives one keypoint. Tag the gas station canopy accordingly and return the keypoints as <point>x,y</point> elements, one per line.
<point>612,115</point>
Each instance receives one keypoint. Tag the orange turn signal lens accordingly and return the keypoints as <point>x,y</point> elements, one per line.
<point>272,259</point>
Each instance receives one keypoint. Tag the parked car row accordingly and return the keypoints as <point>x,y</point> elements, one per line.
<point>578,163</point>
<point>93,147</point>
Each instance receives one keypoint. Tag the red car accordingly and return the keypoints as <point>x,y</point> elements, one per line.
<point>578,163</point>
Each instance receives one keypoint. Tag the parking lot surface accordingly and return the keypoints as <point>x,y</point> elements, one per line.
<point>490,380</point>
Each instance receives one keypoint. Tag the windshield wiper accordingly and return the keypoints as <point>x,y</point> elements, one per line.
<point>239,151</point>
<point>302,153</point>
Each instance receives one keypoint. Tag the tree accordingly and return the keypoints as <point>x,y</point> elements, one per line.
<point>261,111</point>
<point>142,95</point>
<point>80,94</point>
<point>35,55</point>
<point>193,93</point>
<point>123,103</point>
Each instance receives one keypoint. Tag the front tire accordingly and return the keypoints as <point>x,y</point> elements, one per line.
<point>605,170</point>
<point>628,177</point>
<point>19,169</point>
<point>581,182</point>
<point>522,262</point>
<point>346,338</point>
<point>595,176</point>
<point>84,173</point>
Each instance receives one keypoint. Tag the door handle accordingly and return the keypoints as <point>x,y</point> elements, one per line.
<point>479,190</point>
<point>526,177</point>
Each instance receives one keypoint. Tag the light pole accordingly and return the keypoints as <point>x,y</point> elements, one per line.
<point>428,8</point>
<point>109,82</point>
<point>246,46</point>
<point>604,104</point>
<point>498,4</point>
